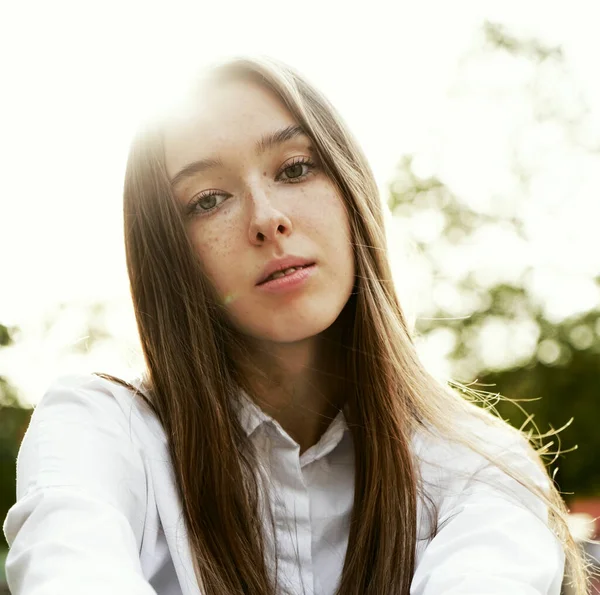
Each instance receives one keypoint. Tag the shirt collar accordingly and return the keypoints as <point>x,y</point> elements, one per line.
<point>251,417</point>
<point>250,414</point>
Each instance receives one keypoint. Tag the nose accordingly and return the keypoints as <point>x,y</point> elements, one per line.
<point>268,223</point>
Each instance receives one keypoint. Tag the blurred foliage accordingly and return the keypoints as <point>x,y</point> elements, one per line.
<point>13,422</point>
<point>565,390</point>
<point>554,89</point>
<point>556,378</point>
<point>499,37</point>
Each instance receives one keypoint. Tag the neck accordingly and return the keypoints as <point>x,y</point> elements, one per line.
<point>298,384</point>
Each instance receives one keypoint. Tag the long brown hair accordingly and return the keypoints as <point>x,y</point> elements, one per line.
<point>193,382</point>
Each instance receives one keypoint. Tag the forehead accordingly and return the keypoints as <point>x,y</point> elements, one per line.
<point>222,119</point>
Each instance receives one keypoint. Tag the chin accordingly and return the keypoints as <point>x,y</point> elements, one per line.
<point>292,333</point>
<point>290,323</point>
<point>288,329</point>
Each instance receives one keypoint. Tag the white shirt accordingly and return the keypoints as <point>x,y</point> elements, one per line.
<point>97,510</point>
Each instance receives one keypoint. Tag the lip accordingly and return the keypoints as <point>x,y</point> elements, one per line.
<point>290,282</point>
<point>280,264</point>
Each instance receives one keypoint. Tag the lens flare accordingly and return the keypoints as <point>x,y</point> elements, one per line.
<point>230,297</point>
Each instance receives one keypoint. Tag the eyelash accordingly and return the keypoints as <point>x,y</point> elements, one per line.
<point>296,161</point>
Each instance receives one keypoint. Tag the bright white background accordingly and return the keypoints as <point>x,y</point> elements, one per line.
<point>76,77</point>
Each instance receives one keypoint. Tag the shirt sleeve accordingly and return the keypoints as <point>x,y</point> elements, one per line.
<point>78,521</point>
<point>494,539</point>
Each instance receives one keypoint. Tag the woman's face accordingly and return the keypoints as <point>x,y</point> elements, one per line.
<point>251,198</point>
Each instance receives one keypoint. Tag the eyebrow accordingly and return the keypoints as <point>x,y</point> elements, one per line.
<point>267,142</point>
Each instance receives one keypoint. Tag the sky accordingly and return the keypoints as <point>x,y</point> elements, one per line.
<point>78,77</point>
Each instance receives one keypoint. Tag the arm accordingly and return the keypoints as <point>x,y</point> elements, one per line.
<point>493,540</point>
<point>81,498</point>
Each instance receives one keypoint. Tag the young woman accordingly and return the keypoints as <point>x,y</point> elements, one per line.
<point>284,437</point>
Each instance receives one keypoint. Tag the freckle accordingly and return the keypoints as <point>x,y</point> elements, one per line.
<point>265,174</point>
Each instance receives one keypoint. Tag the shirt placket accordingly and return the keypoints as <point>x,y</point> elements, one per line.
<point>291,511</point>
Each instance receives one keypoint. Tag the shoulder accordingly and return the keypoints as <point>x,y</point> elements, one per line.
<point>84,488</point>
<point>487,456</point>
<point>474,442</point>
<point>87,394</point>
<point>483,519</point>
<point>97,400</point>
<point>85,431</point>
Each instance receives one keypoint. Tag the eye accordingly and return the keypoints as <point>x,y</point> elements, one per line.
<point>205,202</point>
<point>208,201</point>
<point>294,171</point>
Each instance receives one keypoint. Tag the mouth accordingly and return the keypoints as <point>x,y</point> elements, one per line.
<point>285,272</point>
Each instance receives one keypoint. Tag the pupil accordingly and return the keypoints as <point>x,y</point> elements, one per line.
<point>211,202</point>
<point>297,168</point>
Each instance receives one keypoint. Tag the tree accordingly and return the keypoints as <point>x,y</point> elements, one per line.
<point>13,422</point>
<point>550,367</point>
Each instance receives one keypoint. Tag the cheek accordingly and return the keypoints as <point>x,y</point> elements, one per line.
<point>217,249</point>
<point>329,228</point>
<point>342,238</point>
<point>329,223</point>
